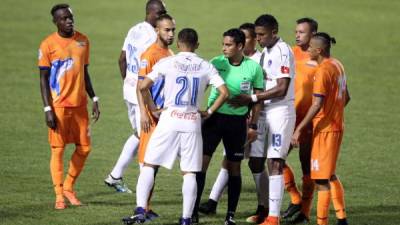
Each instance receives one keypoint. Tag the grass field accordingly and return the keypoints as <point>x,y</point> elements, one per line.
<point>368,46</point>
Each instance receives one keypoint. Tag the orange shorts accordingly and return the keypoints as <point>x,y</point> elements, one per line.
<point>324,154</point>
<point>71,127</point>
<point>145,137</point>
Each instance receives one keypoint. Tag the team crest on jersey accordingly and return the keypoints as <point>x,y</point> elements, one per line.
<point>81,43</point>
<point>269,63</point>
<point>40,54</point>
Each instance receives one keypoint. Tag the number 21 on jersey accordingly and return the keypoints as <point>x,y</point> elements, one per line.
<point>187,85</point>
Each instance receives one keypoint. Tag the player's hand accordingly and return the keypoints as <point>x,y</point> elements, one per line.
<point>251,135</point>
<point>95,112</point>
<point>239,101</point>
<point>157,112</point>
<point>204,114</point>
<point>51,120</point>
<point>145,122</point>
<point>295,138</point>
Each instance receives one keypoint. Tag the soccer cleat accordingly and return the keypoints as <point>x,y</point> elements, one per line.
<point>229,221</point>
<point>151,215</point>
<point>195,219</point>
<point>118,184</point>
<point>291,210</point>
<point>271,220</point>
<point>209,207</point>
<point>138,217</point>
<point>185,221</point>
<point>300,219</point>
<point>60,205</point>
<point>259,216</point>
<point>342,221</point>
<point>71,196</point>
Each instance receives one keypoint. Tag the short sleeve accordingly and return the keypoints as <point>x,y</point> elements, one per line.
<point>146,65</point>
<point>213,77</point>
<point>258,81</point>
<point>87,56</point>
<point>43,56</point>
<point>321,83</point>
<point>158,70</point>
<point>284,64</point>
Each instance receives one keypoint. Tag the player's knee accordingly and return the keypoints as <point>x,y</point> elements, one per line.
<point>83,150</point>
<point>322,181</point>
<point>256,165</point>
<point>333,177</point>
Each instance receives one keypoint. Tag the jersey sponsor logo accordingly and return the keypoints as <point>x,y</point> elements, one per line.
<point>269,63</point>
<point>245,86</point>
<point>81,43</point>
<point>184,115</point>
<point>285,69</point>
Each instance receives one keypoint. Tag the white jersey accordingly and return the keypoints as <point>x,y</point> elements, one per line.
<point>186,79</point>
<point>256,56</point>
<point>138,39</point>
<point>278,63</point>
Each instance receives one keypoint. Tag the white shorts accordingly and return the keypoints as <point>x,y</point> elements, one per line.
<point>280,123</point>
<point>134,115</point>
<point>165,145</point>
<point>259,146</point>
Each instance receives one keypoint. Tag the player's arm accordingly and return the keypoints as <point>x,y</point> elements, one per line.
<point>46,98</point>
<point>222,97</point>
<point>122,64</point>
<point>92,95</point>
<point>255,113</point>
<point>317,102</point>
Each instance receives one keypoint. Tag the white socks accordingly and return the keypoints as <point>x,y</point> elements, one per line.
<point>126,156</point>
<point>144,185</point>
<point>189,193</point>
<point>261,181</point>
<point>276,187</point>
<point>219,185</point>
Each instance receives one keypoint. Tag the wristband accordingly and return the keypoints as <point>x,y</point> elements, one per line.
<point>95,99</point>
<point>253,126</point>
<point>209,111</point>
<point>254,98</point>
<point>47,108</point>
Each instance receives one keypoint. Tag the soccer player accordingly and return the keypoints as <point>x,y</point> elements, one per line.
<point>64,83</point>
<point>305,69</point>
<point>260,178</point>
<point>138,39</point>
<point>241,75</point>
<point>186,77</point>
<point>278,63</point>
<point>330,96</point>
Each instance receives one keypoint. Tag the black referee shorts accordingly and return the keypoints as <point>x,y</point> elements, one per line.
<point>231,129</point>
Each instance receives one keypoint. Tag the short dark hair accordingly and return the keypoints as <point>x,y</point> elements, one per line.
<point>237,35</point>
<point>311,22</point>
<point>267,21</point>
<point>164,17</point>
<point>326,39</point>
<point>151,4</point>
<point>188,36</point>
<point>250,28</point>
<point>57,7</point>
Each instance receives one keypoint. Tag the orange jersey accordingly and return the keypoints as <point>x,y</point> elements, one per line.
<point>65,59</point>
<point>330,83</point>
<point>148,59</point>
<point>303,82</point>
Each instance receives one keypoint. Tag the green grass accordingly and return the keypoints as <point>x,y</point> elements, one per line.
<point>367,45</point>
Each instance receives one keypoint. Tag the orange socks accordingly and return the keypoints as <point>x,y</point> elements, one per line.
<point>57,170</point>
<point>76,165</point>
<point>324,198</point>
<point>337,193</point>
<point>290,185</point>
<point>307,195</point>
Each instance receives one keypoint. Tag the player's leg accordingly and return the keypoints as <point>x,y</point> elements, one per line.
<point>337,195</point>
<point>128,152</point>
<point>324,198</point>
<point>79,128</point>
<point>211,137</point>
<point>280,130</point>
<point>210,207</point>
<point>295,196</point>
<point>190,162</point>
<point>234,139</point>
